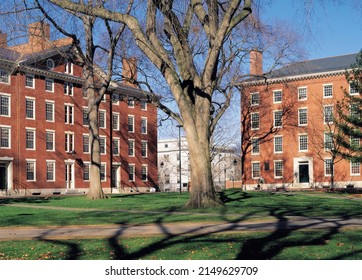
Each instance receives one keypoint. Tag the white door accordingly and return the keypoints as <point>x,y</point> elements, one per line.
<point>69,175</point>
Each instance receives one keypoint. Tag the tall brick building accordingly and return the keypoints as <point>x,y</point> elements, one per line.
<point>44,133</point>
<point>287,139</point>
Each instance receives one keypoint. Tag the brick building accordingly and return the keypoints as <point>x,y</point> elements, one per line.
<point>287,139</point>
<point>44,133</point>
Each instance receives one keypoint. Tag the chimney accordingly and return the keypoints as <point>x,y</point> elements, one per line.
<point>129,71</point>
<point>3,40</point>
<point>256,62</point>
<point>39,35</point>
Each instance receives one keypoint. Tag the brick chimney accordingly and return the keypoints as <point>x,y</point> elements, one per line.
<point>3,40</point>
<point>256,62</point>
<point>39,35</point>
<point>129,71</point>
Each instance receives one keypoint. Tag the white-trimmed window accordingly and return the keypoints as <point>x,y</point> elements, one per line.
<point>130,123</point>
<point>86,171</point>
<point>49,111</point>
<point>103,172</point>
<point>49,85</point>
<point>328,141</point>
<point>4,77</point>
<point>328,91</point>
<point>278,144</point>
<point>50,170</point>
<point>144,172</point>
<point>30,108</point>
<point>328,167</point>
<point>115,146</point>
<point>255,170</point>
<point>131,147</point>
<point>130,102</point>
<point>277,96</point>
<point>278,118</point>
<point>355,142</point>
<point>68,67</point>
<point>102,119</point>
<point>255,121</point>
<point>303,142</point>
<point>102,145</point>
<point>302,116</point>
<point>68,89</point>
<point>31,170</point>
<point>115,98</point>
<point>354,110</point>
<point>86,144</point>
<point>144,151</point>
<point>30,138</point>
<point>69,142</point>
<point>115,121</point>
<point>255,146</point>
<point>50,140</point>
<point>355,168</point>
<point>254,98</point>
<point>5,105</point>
<point>328,113</point>
<point>85,116</point>
<point>29,81</point>
<point>143,104</point>
<point>5,137</point>
<point>302,93</point>
<point>278,169</point>
<point>131,172</point>
<point>353,89</point>
<point>144,125</point>
<point>69,114</point>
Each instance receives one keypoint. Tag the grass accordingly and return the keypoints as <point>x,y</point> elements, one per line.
<point>332,243</point>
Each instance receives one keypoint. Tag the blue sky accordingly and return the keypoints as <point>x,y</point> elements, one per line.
<point>334,27</point>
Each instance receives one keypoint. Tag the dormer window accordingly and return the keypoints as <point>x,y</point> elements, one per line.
<point>68,67</point>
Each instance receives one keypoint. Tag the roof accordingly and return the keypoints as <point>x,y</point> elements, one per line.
<point>9,54</point>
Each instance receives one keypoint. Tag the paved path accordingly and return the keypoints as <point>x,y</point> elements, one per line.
<point>111,231</point>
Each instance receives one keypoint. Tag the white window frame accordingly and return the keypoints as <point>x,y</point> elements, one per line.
<point>274,96</point>
<point>116,143</point>
<point>352,167</point>
<point>143,104</point>
<point>52,103</point>
<point>48,131</point>
<point>30,78</point>
<point>51,81</point>
<point>8,128</point>
<point>299,142</point>
<point>300,93</point>
<point>69,135</point>
<point>275,144</point>
<point>68,89</point>
<point>130,102</point>
<point>85,120</point>
<point>103,146</point>
<point>31,130</point>
<point>144,124</point>
<point>103,166</point>
<point>68,67</point>
<point>328,136</point>
<point>252,169</point>
<point>69,113</point>
<point>329,116</point>
<point>144,167</point>
<point>30,161</point>
<point>133,166</point>
<point>86,136</point>
<point>326,165</point>
<point>352,90</point>
<point>4,77</point>
<point>131,117</point>
<point>53,162</point>
<point>86,167</point>
<point>325,93</point>
<point>115,121</point>
<point>255,146</point>
<point>274,119</point>
<point>254,101</point>
<point>32,100</point>
<point>102,119</point>
<point>275,169</point>
<point>8,105</point>
<point>131,147</point>
<point>299,116</point>
<point>254,121</point>
<point>144,148</point>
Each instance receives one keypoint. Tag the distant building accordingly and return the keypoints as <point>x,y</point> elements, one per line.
<point>297,104</point>
<point>223,166</point>
<point>44,132</point>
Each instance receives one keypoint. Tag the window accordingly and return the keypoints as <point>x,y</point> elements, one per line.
<point>4,77</point>
<point>131,172</point>
<point>328,91</point>
<point>29,81</point>
<point>144,125</point>
<point>115,98</point>
<point>4,105</point>
<point>353,88</point>
<point>130,102</point>
<point>68,89</point>
<point>50,170</point>
<point>255,121</point>
<point>278,144</point>
<point>328,167</point>
<point>355,167</point>
<point>85,117</point>
<point>103,172</point>
<point>30,139</point>
<point>49,140</point>
<point>49,85</point>
<point>355,111</point>
<point>30,108</point>
<point>86,168</point>
<point>131,151</point>
<point>303,142</point>
<point>254,98</point>
<point>68,114</point>
<point>167,178</point>
<point>143,105</point>
<point>115,146</point>
<point>30,170</point>
<point>328,141</point>
<point>255,170</point>
<point>102,145</point>
<point>328,113</point>
<point>102,119</point>
<point>86,144</point>
<point>69,142</point>
<point>355,142</point>
<point>255,146</point>
<point>144,148</point>
<point>277,96</point>
<point>68,67</point>
<point>130,123</point>
<point>5,136</point>
<point>144,172</point>
<point>49,111</point>
<point>115,121</point>
<point>278,116</point>
<point>302,93</point>
<point>302,117</point>
<point>278,169</point>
